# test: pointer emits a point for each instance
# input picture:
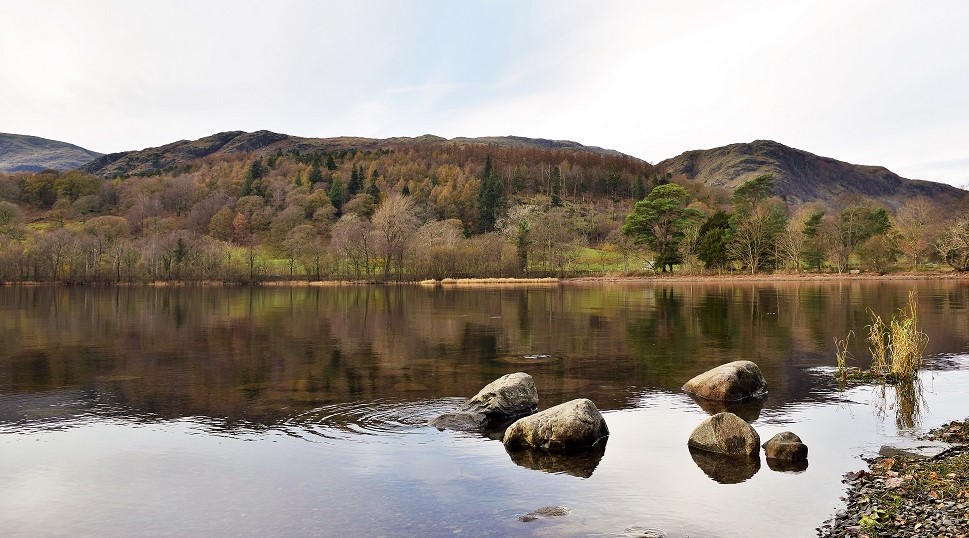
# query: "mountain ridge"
(27, 153)
(801, 176)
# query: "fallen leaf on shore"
(894, 482)
(933, 495)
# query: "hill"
(22, 153)
(801, 176)
(170, 156)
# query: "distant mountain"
(170, 156)
(22, 153)
(801, 176)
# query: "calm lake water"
(303, 411)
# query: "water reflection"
(905, 397)
(264, 356)
(581, 464)
(749, 410)
(785, 466)
(724, 469)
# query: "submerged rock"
(544, 512)
(569, 427)
(731, 382)
(727, 434)
(498, 403)
(919, 449)
(786, 446)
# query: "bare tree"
(393, 223)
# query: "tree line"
(441, 212)
(757, 232)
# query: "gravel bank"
(902, 497)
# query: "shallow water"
(303, 411)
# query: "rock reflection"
(723, 469)
(784, 466)
(581, 464)
(748, 410)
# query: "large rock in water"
(731, 382)
(786, 446)
(506, 398)
(569, 427)
(727, 434)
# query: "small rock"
(786, 446)
(544, 512)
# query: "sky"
(868, 82)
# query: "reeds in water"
(897, 347)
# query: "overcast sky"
(868, 82)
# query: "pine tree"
(556, 187)
(336, 195)
(491, 198)
(316, 175)
(330, 163)
(356, 181)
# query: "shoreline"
(539, 281)
(901, 496)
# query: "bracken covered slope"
(170, 156)
(22, 153)
(801, 176)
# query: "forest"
(442, 211)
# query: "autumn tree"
(393, 223)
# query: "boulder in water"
(731, 382)
(727, 434)
(569, 427)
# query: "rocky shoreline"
(906, 496)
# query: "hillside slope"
(22, 153)
(170, 156)
(801, 176)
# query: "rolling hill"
(801, 176)
(22, 153)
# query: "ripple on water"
(369, 421)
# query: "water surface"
(303, 411)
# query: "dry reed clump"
(896, 347)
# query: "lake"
(304, 410)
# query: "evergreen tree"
(336, 196)
(659, 221)
(330, 163)
(356, 181)
(712, 241)
(556, 187)
(640, 188)
(491, 199)
(253, 185)
(316, 175)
